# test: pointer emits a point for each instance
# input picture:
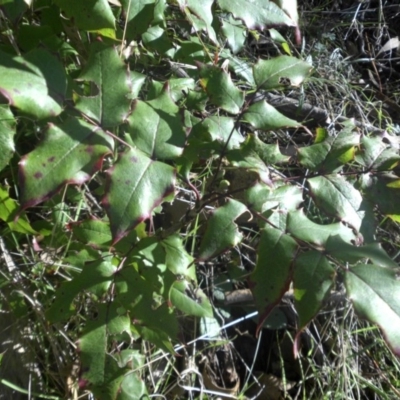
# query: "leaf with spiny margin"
(7, 132)
(89, 15)
(375, 294)
(377, 189)
(156, 127)
(203, 15)
(69, 154)
(304, 229)
(375, 154)
(273, 272)
(331, 154)
(263, 116)
(347, 252)
(110, 104)
(35, 84)
(256, 14)
(222, 232)
(261, 197)
(136, 185)
(337, 197)
(96, 277)
(191, 301)
(312, 280)
(139, 15)
(221, 90)
(280, 72)
(235, 33)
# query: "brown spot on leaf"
(51, 159)
(38, 175)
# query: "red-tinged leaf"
(221, 90)
(109, 105)
(375, 294)
(156, 128)
(312, 280)
(280, 72)
(222, 233)
(69, 153)
(136, 185)
(35, 84)
(273, 273)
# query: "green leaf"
(35, 84)
(7, 132)
(139, 14)
(331, 154)
(110, 104)
(219, 86)
(273, 272)
(234, 32)
(304, 229)
(337, 197)
(375, 154)
(312, 280)
(156, 127)
(90, 15)
(93, 232)
(69, 153)
(280, 72)
(338, 248)
(189, 300)
(263, 116)
(375, 292)
(256, 13)
(136, 185)
(222, 233)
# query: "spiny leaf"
(263, 116)
(90, 15)
(69, 153)
(7, 132)
(136, 185)
(220, 88)
(375, 293)
(273, 273)
(109, 105)
(337, 197)
(234, 32)
(139, 14)
(256, 13)
(304, 229)
(222, 233)
(280, 72)
(35, 84)
(156, 127)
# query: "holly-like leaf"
(136, 185)
(89, 15)
(263, 116)
(273, 273)
(189, 300)
(280, 72)
(337, 197)
(139, 15)
(312, 280)
(221, 90)
(330, 154)
(69, 153)
(35, 84)
(7, 132)
(375, 293)
(109, 105)
(304, 229)
(347, 252)
(375, 154)
(256, 14)
(156, 127)
(234, 32)
(93, 232)
(222, 233)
